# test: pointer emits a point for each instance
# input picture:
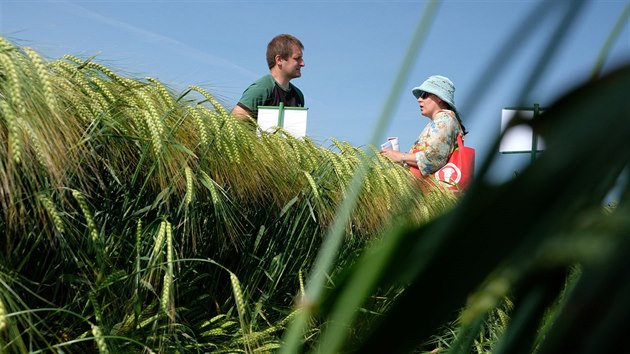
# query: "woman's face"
(429, 104)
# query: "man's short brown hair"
(281, 45)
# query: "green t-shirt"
(266, 92)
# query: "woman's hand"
(393, 155)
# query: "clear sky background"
(354, 51)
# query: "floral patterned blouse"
(436, 142)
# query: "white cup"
(394, 140)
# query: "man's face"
(292, 67)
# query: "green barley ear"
(70, 94)
(238, 295)
(36, 144)
(384, 188)
(159, 241)
(166, 298)
(79, 78)
(189, 185)
(217, 106)
(99, 339)
(163, 92)
(268, 348)
(338, 167)
(201, 126)
(5, 45)
(101, 84)
(15, 143)
(228, 136)
(139, 239)
(207, 181)
(213, 119)
(136, 285)
(88, 216)
(10, 72)
(231, 138)
(107, 72)
(311, 182)
(3, 316)
(98, 312)
(152, 120)
(301, 279)
(240, 306)
(52, 211)
(44, 78)
(76, 60)
(398, 177)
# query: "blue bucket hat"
(440, 86)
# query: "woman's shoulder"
(446, 116)
(448, 119)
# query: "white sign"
(518, 138)
(291, 119)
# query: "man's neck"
(280, 79)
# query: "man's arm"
(240, 113)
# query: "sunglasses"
(424, 95)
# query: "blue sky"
(354, 50)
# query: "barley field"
(140, 219)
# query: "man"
(284, 58)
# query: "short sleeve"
(255, 95)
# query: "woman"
(438, 139)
